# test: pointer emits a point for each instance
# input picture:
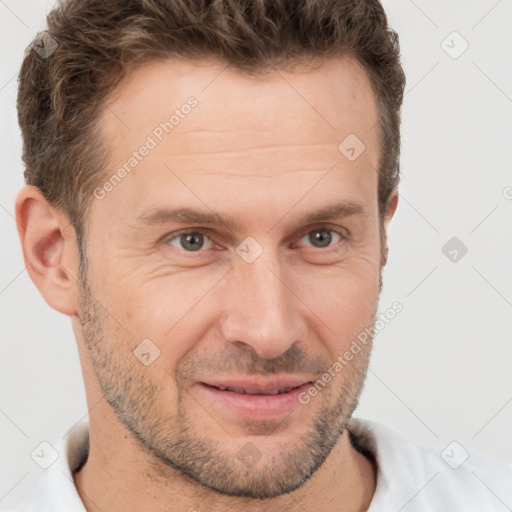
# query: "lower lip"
(262, 407)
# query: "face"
(241, 249)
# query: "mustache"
(244, 361)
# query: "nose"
(261, 310)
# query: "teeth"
(247, 392)
(236, 390)
(257, 392)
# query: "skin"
(262, 151)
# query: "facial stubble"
(135, 394)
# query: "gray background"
(441, 368)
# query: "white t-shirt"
(410, 478)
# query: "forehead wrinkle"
(229, 175)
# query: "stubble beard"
(172, 439)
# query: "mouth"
(245, 391)
(255, 400)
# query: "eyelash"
(206, 233)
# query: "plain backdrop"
(441, 368)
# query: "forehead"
(280, 129)
(334, 97)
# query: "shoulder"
(56, 491)
(411, 477)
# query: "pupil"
(192, 241)
(321, 237)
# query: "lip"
(256, 406)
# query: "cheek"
(344, 298)
(173, 311)
(156, 297)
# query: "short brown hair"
(99, 41)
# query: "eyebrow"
(156, 217)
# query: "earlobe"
(49, 249)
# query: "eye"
(190, 241)
(321, 238)
(196, 240)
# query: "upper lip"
(255, 385)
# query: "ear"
(388, 215)
(50, 250)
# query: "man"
(209, 188)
